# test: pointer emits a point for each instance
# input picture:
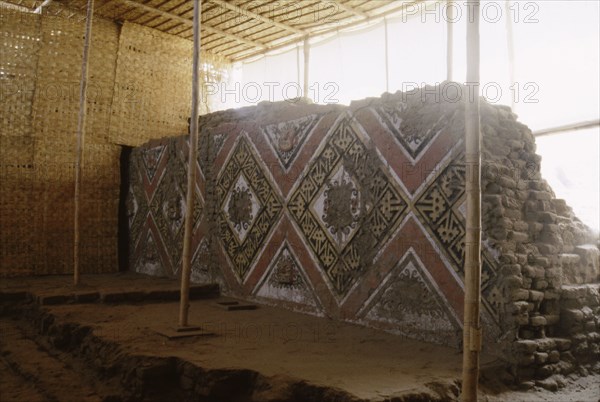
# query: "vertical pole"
(298, 65)
(191, 176)
(81, 135)
(449, 40)
(306, 66)
(472, 268)
(387, 62)
(510, 44)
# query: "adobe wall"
(357, 213)
(128, 103)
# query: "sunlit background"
(556, 76)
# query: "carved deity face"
(150, 254)
(341, 206)
(240, 208)
(287, 139)
(152, 158)
(286, 274)
(174, 208)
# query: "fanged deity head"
(341, 206)
(152, 157)
(174, 211)
(150, 253)
(288, 138)
(239, 208)
(286, 274)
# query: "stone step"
(124, 296)
(580, 291)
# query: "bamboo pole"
(511, 53)
(306, 66)
(472, 267)
(298, 65)
(449, 40)
(81, 135)
(387, 59)
(191, 176)
(41, 6)
(327, 29)
(582, 125)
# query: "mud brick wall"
(128, 104)
(357, 213)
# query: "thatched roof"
(238, 29)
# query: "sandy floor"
(272, 341)
(367, 363)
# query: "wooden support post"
(511, 53)
(81, 135)
(449, 40)
(306, 66)
(387, 61)
(41, 6)
(298, 65)
(472, 327)
(191, 175)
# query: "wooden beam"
(100, 7)
(349, 9)
(510, 46)
(16, 7)
(186, 268)
(189, 22)
(386, 53)
(306, 67)
(472, 300)
(567, 127)
(449, 41)
(312, 34)
(41, 6)
(262, 18)
(81, 135)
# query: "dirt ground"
(366, 363)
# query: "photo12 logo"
(271, 91)
(492, 91)
(490, 11)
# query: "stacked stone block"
(552, 325)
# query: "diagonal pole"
(472, 268)
(510, 45)
(306, 49)
(449, 40)
(191, 176)
(81, 135)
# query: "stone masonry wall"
(357, 213)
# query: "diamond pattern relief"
(137, 204)
(148, 261)
(285, 280)
(248, 207)
(442, 207)
(345, 206)
(439, 206)
(286, 138)
(337, 205)
(169, 209)
(241, 207)
(407, 126)
(409, 297)
(151, 158)
(203, 269)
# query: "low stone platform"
(127, 287)
(104, 352)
